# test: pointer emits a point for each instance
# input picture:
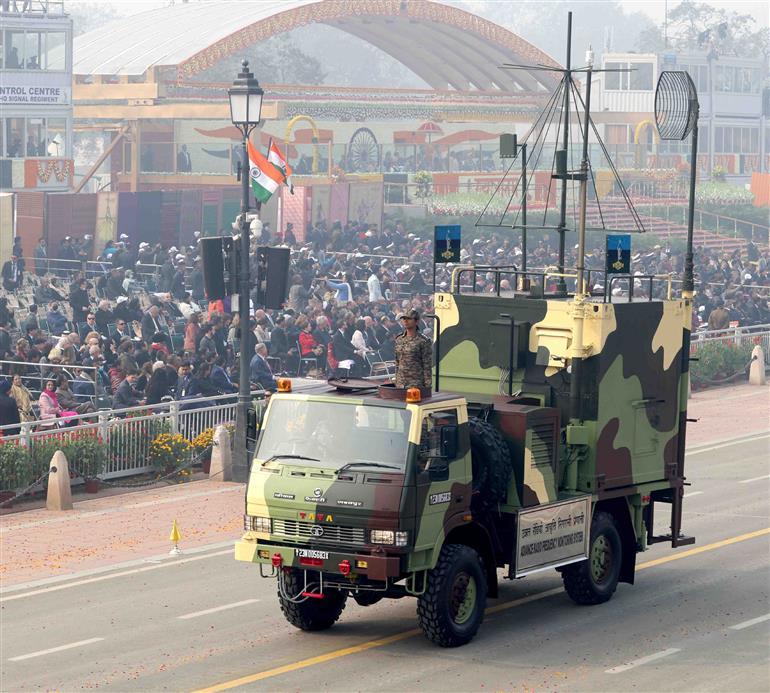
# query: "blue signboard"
(446, 244)
(619, 254)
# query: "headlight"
(257, 524)
(389, 537)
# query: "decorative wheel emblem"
(317, 492)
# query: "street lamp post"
(245, 110)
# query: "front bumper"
(374, 566)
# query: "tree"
(87, 16)
(699, 27)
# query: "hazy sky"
(759, 9)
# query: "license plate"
(312, 553)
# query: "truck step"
(313, 595)
(681, 540)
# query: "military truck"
(555, 427)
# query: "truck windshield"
(334, 435)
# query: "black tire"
(311, 614)
(448, 612)
(594, 581)
(367, 597)
(491, 459)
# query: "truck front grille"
(330, 534)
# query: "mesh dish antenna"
(676, 115)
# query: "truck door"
(443, 475)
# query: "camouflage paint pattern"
(360, 499)
(626, 441)
(633, 399)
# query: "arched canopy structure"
(446, 47)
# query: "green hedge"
(19, 466)
(720, 360)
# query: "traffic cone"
(175, 537)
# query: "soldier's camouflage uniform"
(414, 360)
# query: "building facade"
(733, 134)
(35, 96)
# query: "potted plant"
(15, 470)
(89, 456)
(202, 446)
(169, 451)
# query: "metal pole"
(580, 265)
(524, 207)
(240, 459)
(511, 338)
(688, 283)
(561, 286)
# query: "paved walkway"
(103, 531)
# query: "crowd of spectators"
(136, 328)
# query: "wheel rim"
(601, 559)
(462, 598)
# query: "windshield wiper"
(366, 464)
(289, 457)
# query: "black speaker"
(272, 276)
(213, 268)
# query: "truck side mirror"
(449, 434)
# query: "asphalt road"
(698, 618)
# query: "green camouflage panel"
(634, 383)
(325, 515)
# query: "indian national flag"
(278, 160)
(265, 177)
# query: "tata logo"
(315, 517)
(317, 531)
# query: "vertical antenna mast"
(561, 284)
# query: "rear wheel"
(310, 614)
(452, 607)
(594, 581)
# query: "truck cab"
(357, 485)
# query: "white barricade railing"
(128, 433)
(738, 336)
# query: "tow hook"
(277, 560)
(344, 567)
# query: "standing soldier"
(414, 354)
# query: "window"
(746, 140)
(56, 137)
(34, 42)
(703, 139)
(641, 77)
(33, 50)
(36, 137)
(612, 79)
(430, 439)
(336, 434)
(55, 51)
(14, 137)
(14, 50)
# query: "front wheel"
(594, 581)
(452, 607)
(310, 614)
